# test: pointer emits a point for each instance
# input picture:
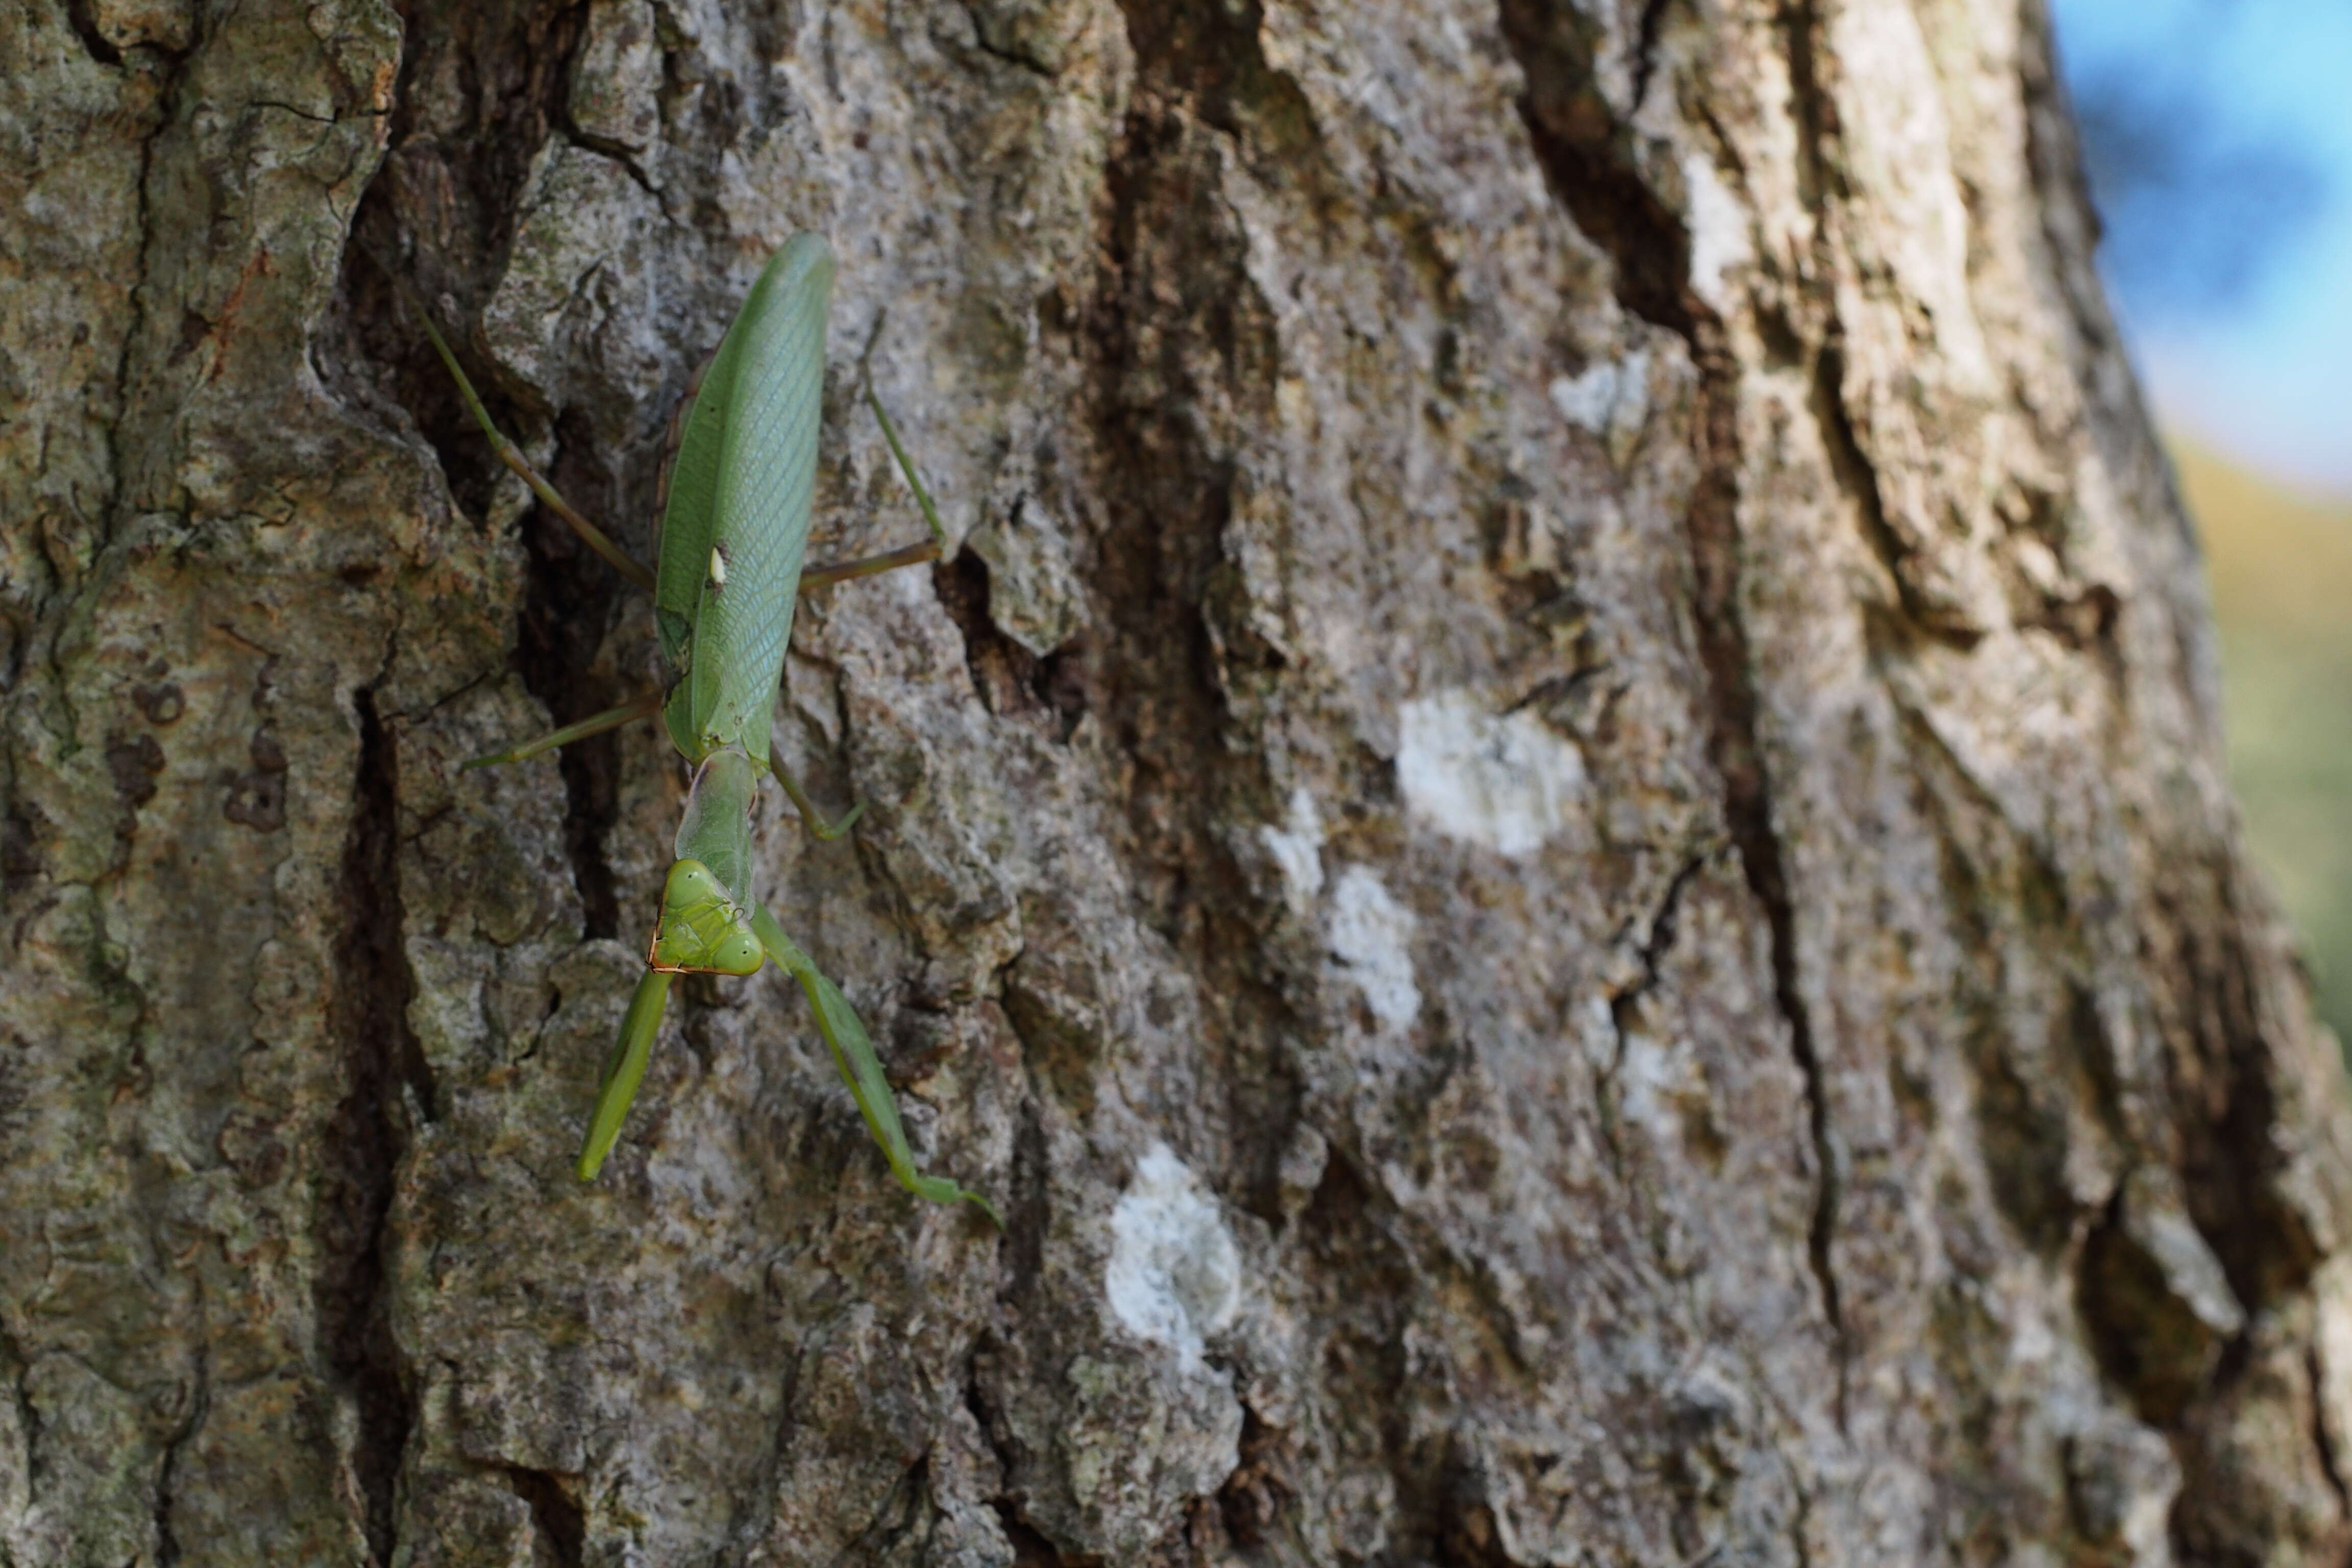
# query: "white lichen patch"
(1653, 1078)
(1610, 398)
(1718, 229)
(1504, 782)
(1372, 936)
(1297, 848)
(1174, 1276)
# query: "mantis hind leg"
(815, 577)
(825, 576)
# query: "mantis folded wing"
(735, 526)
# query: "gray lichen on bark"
(1557, 837)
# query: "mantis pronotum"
(735, 523)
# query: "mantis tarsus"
(735, 523)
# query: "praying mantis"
(735, 508)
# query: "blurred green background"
(2218, 138)
(2281, 566)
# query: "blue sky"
(2232, 267)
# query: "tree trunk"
(1557, 837)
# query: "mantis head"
(706, 925)
(702, 930)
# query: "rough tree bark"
(1558, 837)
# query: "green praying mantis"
(735, 524)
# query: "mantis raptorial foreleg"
(852, 1053)
(844, 1035)
(625, 1069)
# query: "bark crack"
(1659, 940)
(1032, 1547)
(1645, 49)
(1656, 942)
(619, 152)
(20, 1389)
(167, 1542)
(568, 597)
(1735, 745)
(894, 1518)
(1177, 322)
(558, 1519)
(83, 20)
(2330, 1462)
(386, 1079)
(1026, 1217)
(135, 328)
(568, 592)
(1587, 161)
(1047, 691)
